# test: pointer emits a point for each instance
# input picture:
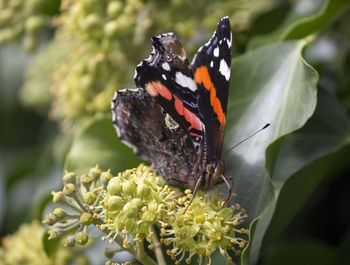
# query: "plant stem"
(157, 248)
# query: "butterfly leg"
(194, 192)
(229, 186)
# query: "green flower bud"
(91, 21)
(153, 207)
(95, 172)
(130, 210)
(54, 234)
(59, 213)
(86, 219)
(86, 179)
(129, 187)
(50, 219)
(110, 28)
(56, 196)
(82, 238)
(114, 186)
(69, 177)
(69, 241)
(115, 203)
(106, 176)
(143, 190)
(136, 203)
(89, 197)
(114, 8)
(69, 189)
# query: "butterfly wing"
(211, 71)
(141, 124)
(166, 76)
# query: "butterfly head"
(213, 174)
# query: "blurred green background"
(61, 61)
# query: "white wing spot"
(130, 89)
(211, 64)
(216, 52)
(164, 76)
(166, 66)
(185, 81)
(170, 123)
(224, 69)
(229, 43)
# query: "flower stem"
(157, 248)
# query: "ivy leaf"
(305, 159)
(304, 253)
(305, 17)
(98, 143)
(271, 84)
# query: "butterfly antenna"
(247, 138)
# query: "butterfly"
(176, 116)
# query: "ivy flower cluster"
(26, 247)
(23, 19)
(205, 227)
(131, 207)
(81, 194)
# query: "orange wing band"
(155, 88)
(201, 76)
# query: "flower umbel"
(26, 247)
(83, 196)
(136, 200)
(205, 227)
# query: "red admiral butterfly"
(176, 117)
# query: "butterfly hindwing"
(141, 124)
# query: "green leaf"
(303, 253)
(306, 17)
(305, 159)
(98, 143)
(272, 84)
